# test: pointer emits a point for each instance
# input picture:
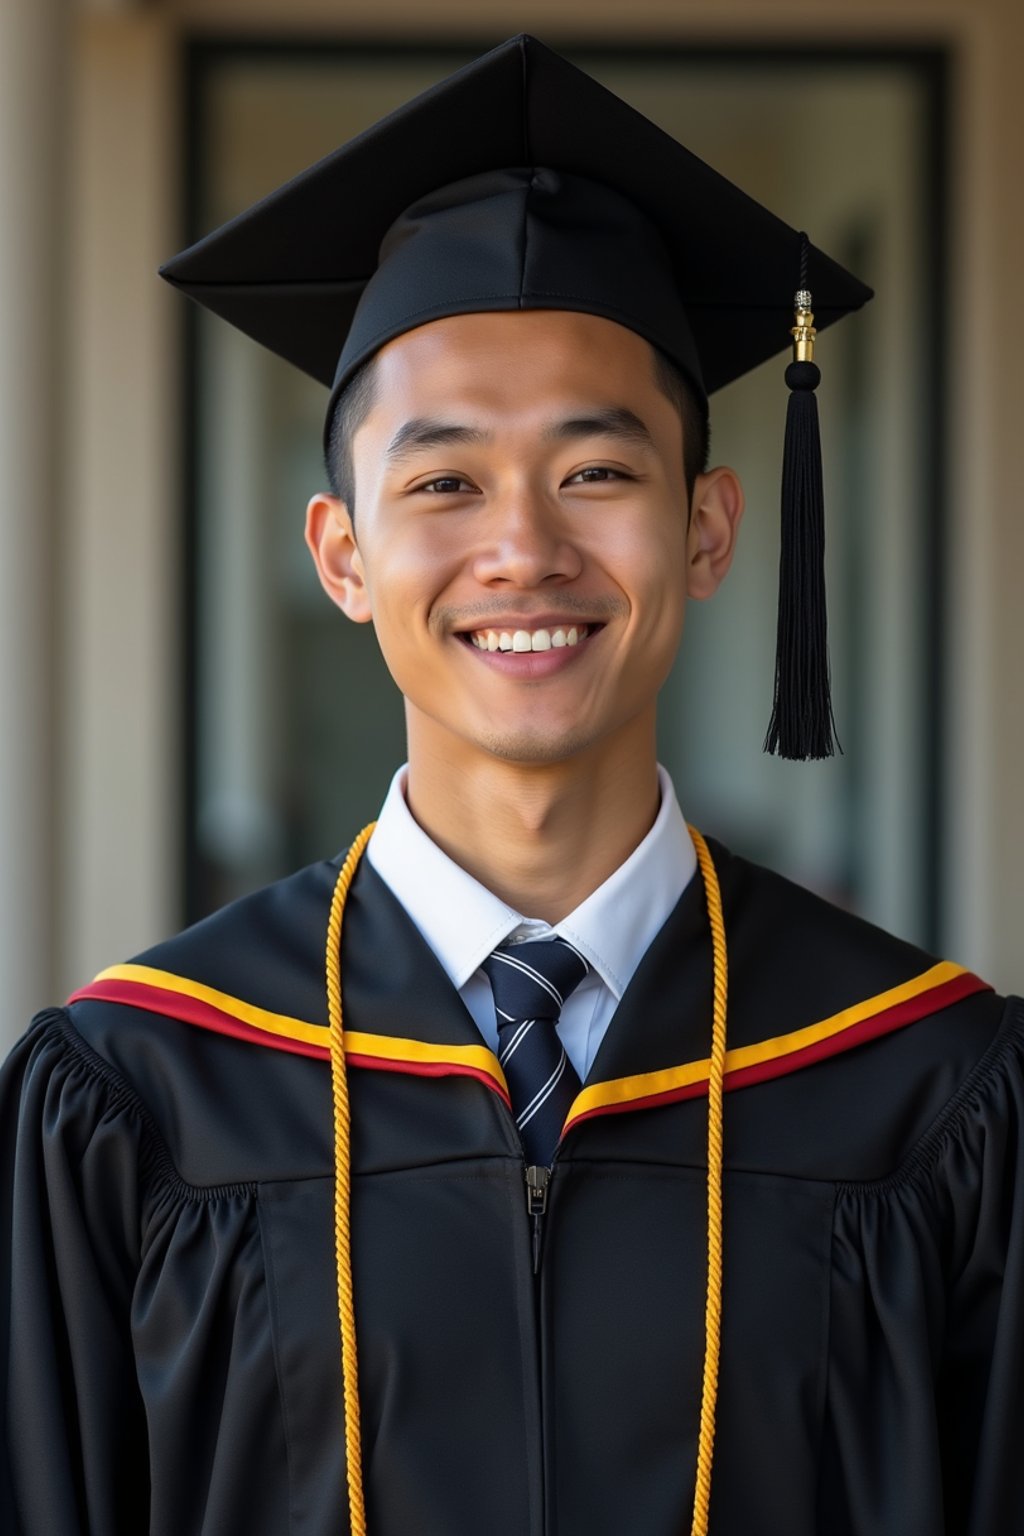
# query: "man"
(511, 1264)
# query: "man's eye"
(445, 485)
(596, 474)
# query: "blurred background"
(185, 716)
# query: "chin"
(535, 746)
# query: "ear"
(332, 543)
(716, 510)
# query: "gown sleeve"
(924, 1427)
(73, 1457)
(981, 1380)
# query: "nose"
(524, 541)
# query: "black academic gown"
(171, 1331)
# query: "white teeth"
(527, 640)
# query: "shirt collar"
(462, 920)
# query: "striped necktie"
(531, 981)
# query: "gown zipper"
(537, 1179)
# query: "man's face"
(520, 475)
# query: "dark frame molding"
(931, 62)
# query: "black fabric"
(517, 182)
(169, 1335)
(528, 238)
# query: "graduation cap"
(519, 182)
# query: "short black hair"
(351, 409)
(357, 398)
(693, 413)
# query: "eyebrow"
(611, 421)
(430, 432)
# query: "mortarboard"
(520, 182)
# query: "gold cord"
(342, 1189)
(713, 1305)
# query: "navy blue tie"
(531, 981)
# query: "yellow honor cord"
(342, 1190)
(713, 1306)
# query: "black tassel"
(802, 725)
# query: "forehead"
(511, 355)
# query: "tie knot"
(533, 979)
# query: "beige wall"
(118, 686)
(119, 798)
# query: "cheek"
(657, 621)
(648, 561)
(407, 574)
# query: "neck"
(542, 837)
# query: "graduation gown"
(171, 1334)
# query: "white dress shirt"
(462, 920)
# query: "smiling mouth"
(523, 640)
